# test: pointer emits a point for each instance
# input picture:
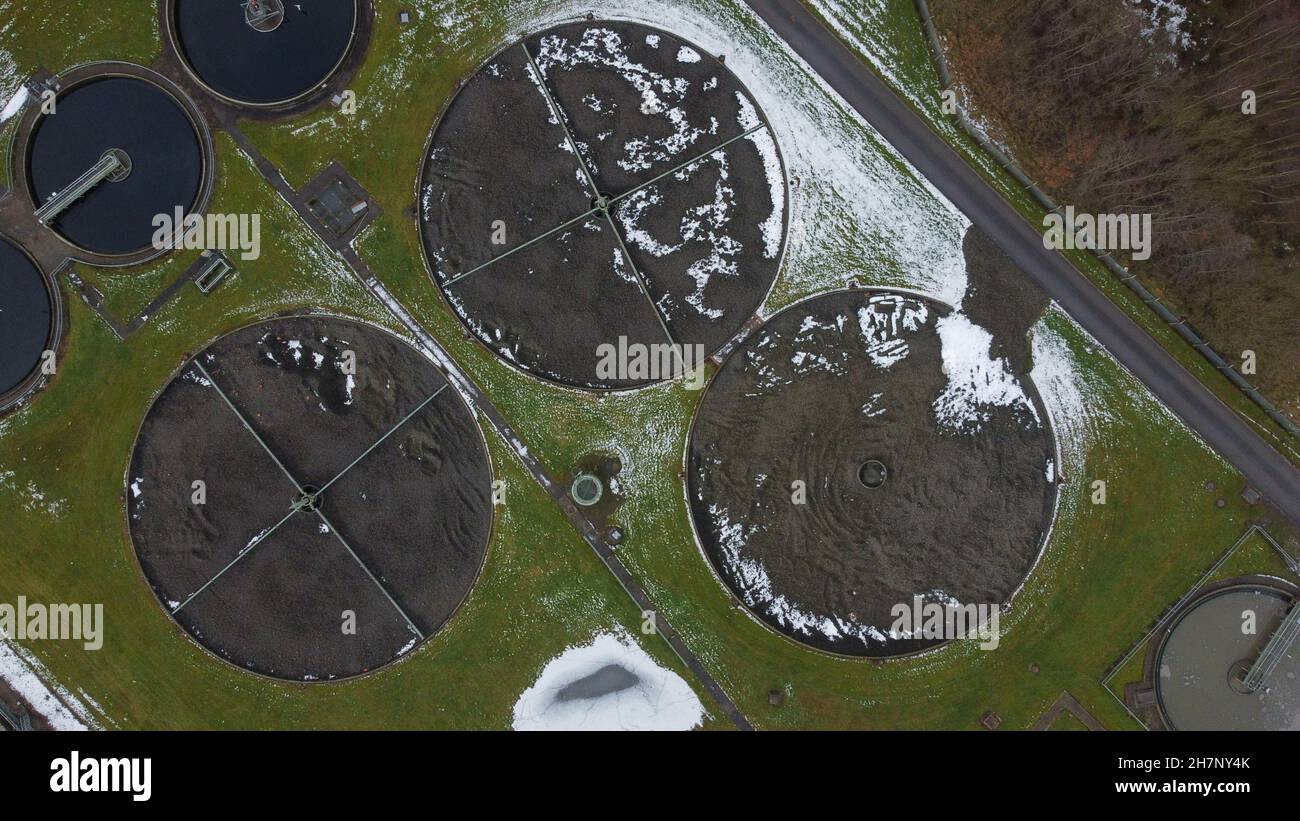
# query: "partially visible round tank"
(1230, 661)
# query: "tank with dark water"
(131, 115)
(248, 63)
(25, 317)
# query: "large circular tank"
(599, 188)
(134, 117)
(263, 56)
(309, 498)
(840, 469)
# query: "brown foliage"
(1115, 114)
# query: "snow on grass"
(455, 25)
(976, 380)
(30, 496)
(10, 77)
(857, 210)
(1064, 394)
(27, 677)
(865, 25)
(649, 444)
(15, 104)
(609, 684)
(11, 88)
(1084, 406)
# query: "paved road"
(1267, 470)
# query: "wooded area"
(1140, 106)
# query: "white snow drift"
(651, 698)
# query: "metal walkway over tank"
(115, 165)
(1276, 649)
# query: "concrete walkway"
(1066, 702)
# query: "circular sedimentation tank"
(666, 227)
(136, 120)
(26, 320)
(838, 468)
(309, 498)
(1208, 650)
(263, 59)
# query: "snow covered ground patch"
(26, 676)
(10, 77)
(976, 380)
(609, 684)
(15, 104)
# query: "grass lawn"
(1107, 571)
(62, 465)
(1067, 721)
(1099, 578)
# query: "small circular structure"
(795, 508)
(595, 267)
(1237, 675)
(28, 320)
(587, 489)
(309, 498)
(123, 164)
(126, 112)
(264, 16)
(873, 473)
(1207, 652)
(262, 53)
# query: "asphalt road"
(1265, 469)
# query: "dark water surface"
(24, 316)
(142, 120)
(264, 67)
